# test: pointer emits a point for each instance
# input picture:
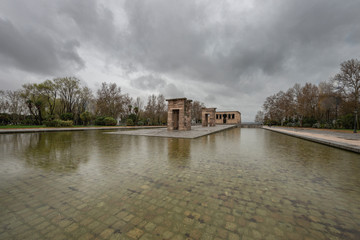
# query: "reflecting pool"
(236, 184)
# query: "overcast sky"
(227, 54)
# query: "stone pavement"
(195, 132)
(347, 141)
(238, 184)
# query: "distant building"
(228, 117)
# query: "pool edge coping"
(323, 141)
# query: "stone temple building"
(208, 117)
(228, 117)
(179, 114)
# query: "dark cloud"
(182, 38)
(36, 51)
(231, 54)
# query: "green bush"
(109, 121)
(347, 121)
(29, 120)
(58, 123)
(133, 117)
(100, 121)
(129, 122)
(4, 119)
(67, 116)
(140, 123)
(50, 117)
(85, 117)
(308, 121)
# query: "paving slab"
(343, 140)
(195, 132)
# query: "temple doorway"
(175, 117)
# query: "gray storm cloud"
(36, 51)
(182, 38)
(239, 51)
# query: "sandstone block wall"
(179, 114)
(228, 117)
(208, 117)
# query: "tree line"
(330, 104)
(64, 102)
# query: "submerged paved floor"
(348, 141)
(196, 131)
(237, 184)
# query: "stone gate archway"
(208, 117)
(179, 114)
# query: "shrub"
(140, 123)
(50, 117)
(4, 119)
(29, 120)
(58, 123)
(133, 117)
(347, 121)
(85, 117)
(309, 121)
(109, 121)
(129, 122)
(100, 121)
(67, 116)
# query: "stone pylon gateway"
(179, 114)
(208, 117)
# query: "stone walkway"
(347, 141)
(196, 131)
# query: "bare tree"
(127, 102)
(109, 101)
(16, 105)
(328, 101)
(348, 80)
(150, 109)
(69, 90)
(259, 118)
(155, 109)
(161, 110)
(139, 104)
(4, 104)
(196, 111)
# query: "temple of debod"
(179, 115)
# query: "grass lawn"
(37, 126)
(43, 126)
(22, 126)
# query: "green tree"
(85, 117)
(35, 101)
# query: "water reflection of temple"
(179, 152)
